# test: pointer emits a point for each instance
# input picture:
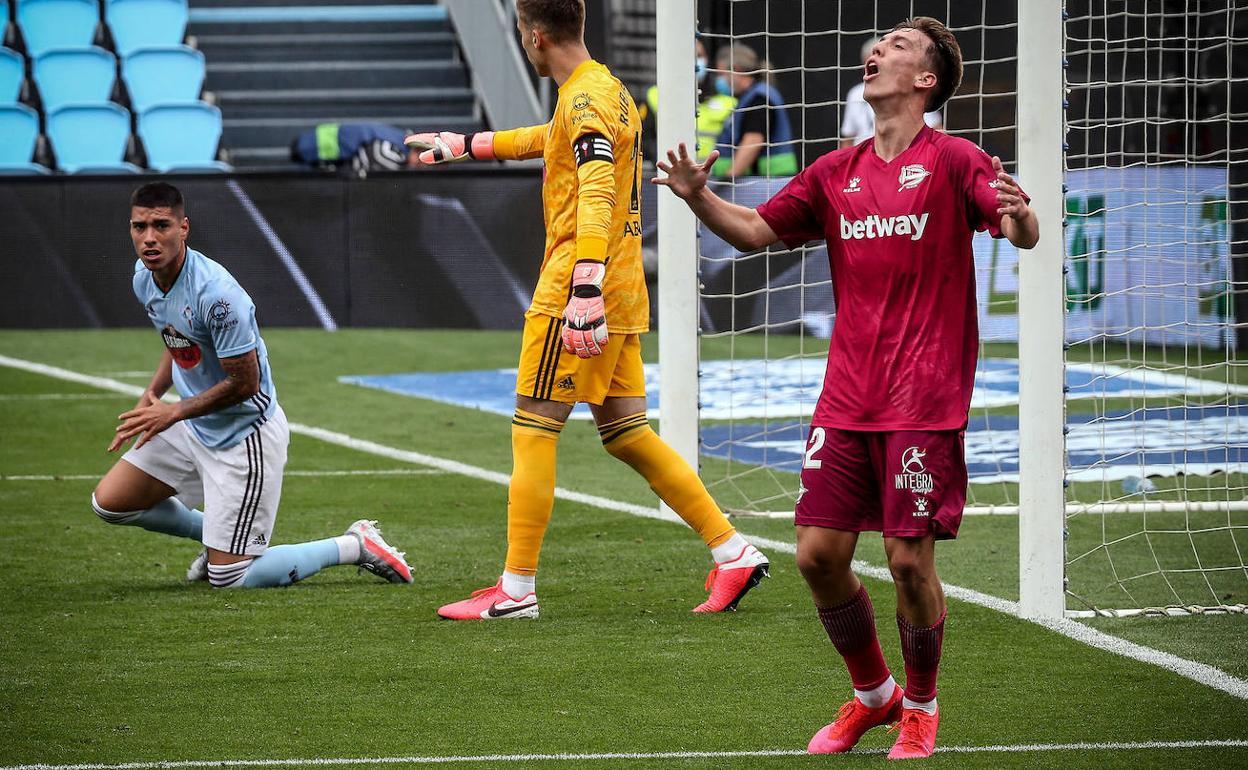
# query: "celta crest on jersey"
(184, 351)
(912, 176)
(914, 475)
(876, 226)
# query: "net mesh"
(1156, 515)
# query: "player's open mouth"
(151, 253)
(870, 70)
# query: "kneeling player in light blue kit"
(224, 444)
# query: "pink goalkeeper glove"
(585, 317)
(446, 147)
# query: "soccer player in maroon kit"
(885, 451)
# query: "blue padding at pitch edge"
(320, 13)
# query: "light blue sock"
(171, 517)
(282, 565)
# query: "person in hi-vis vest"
(714, 109)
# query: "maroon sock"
(851, 627)
(920, 647)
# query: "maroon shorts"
(903, 483)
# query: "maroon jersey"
(903, 349)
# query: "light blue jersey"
(206, 316)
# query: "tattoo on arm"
(242, 380)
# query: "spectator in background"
(859, 123)
(714, 108)
(758, 140)
(366, 146)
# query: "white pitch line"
(1072, 629)
(285, 474)
(761, 753)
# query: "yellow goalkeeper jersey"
(591, 194)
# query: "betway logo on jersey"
(883, 227)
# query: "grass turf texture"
(109, 657)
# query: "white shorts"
(240, 487)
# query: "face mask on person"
(722, 85)
(699, 67)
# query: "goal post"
(1041, 293)
(677, 236)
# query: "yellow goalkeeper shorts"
(549, 372)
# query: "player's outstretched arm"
(740, 226)
(152, 416)
(1018, 220)
(449, 147)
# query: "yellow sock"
(630, 439)
(531, 495)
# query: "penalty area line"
(762, 753)
(1071, 629)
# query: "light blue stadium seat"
(73, 75)
(90, 138)
(182, 137)
(146, 23)
(12, 73)
(48, 24)
(19, 125)
(155, 75)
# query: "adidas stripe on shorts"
(239, 487)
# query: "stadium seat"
(90, 138)
(146, 23)
(182, 137)
(155, 75)
(74, 75)
(48, 24)
(12, 73)
(19, 125)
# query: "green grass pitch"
(107, 656)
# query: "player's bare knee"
(107, 509)
(822, 563)
(228, 575)
(909, 569)
(810, 564)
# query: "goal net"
(1154, 514)
(1157, 434)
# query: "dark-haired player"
(590, 304)
(225, 442)
(885, 449)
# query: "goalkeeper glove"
(585, 317)
(447, 147)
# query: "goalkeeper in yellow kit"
(581, 334)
